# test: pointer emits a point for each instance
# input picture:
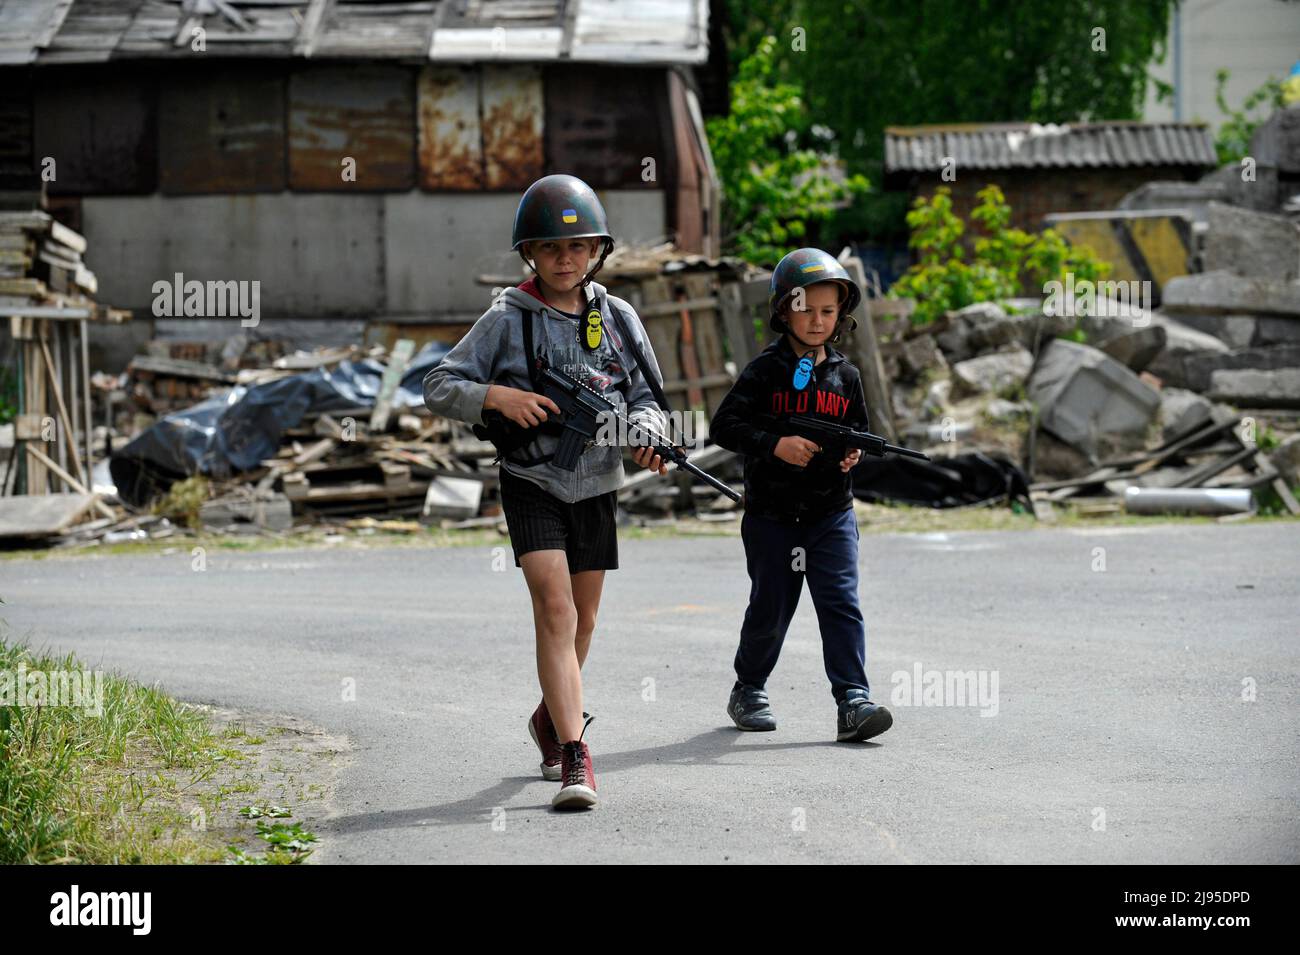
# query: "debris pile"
(1105, 396)
(257, 439)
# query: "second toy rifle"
(838, 437)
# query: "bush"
(1004, 259)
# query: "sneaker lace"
(576, 761)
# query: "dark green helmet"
(560, 207)
(804, 267)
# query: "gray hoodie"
(492, 352)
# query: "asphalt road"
(1120, 731)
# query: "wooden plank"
(707, 322)
(43, 515)
(1141, 464)
(84, 342)
(864, 351)
(355, 491)
(1212, 468)
(70, 433)
(662, 332)
(737, 324)
(398, 360)
(71, 481)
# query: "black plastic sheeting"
(964, 479)
(235, 431)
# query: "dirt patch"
(269, 761)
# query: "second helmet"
(804, 267)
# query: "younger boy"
(799, 519)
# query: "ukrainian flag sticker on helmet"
(569, 215)
(813, 267)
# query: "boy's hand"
(647, 458)
(795, 450)
(525, 408)
(850, 459)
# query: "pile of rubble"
(350, 445)
(1201, 393)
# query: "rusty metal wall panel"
(513, 107)
(601, 122)
(222, 130)
(100, 128)
(450, 134)
(365, 112)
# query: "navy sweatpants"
(829, 562)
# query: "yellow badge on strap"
(594, 330)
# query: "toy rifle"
(582, 412)
(837, 438)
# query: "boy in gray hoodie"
(562, 523)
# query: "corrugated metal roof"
(466, 31)
(1033, 146)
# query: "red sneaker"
(578, 779)
(542, 730)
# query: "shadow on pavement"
(706, 748)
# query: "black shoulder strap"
(530, 353)
(530, 356)
(647, 372)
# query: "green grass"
(148, 780)
(73, 784)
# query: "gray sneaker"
(749, 709)
(860, 719)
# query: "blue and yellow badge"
(569, 215)
(813, 267)
(803, 372)
(593, 331)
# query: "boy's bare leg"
(555, 620)
(587, 587)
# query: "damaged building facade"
(357, 160)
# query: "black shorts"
(585, 530)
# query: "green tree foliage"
(1233, 140)
(866, 64)
(1003, 260)
(773, 185)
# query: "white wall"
(1252, 39)
(319, 254)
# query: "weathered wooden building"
(358, 159)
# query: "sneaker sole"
(750, 729)
(549, 773)
(574, 797)
(874, 725)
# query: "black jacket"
(752, 418)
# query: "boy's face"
(814, 322)
(561, 263)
